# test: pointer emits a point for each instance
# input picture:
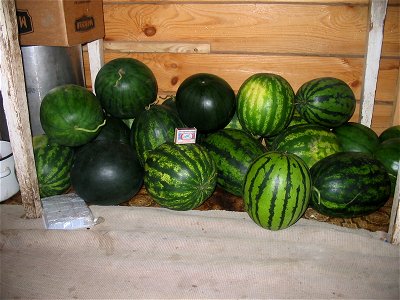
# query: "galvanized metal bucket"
(46, 67)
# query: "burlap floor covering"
(149, 252)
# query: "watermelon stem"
(318, 194)
(91, 130)
(353, 198)
(120, 73)
(151, 104)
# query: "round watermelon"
(71, 115)
(388, 153)
(277, 190)
(53, 164)
(308, 141)
(325, 101)
(349, 184)
(265, 104)
(390, 133)
(356, 137)
(125, 86)
(180, 176)
(233, 151)
(153, 127)
(205, 101)
(106, 173)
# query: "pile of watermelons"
(279, 150)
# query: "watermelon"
(296, 119)
(356, 137)
(277, 190)
(233, 151)
(205, 101)
(53, 163)
(170, 101)
(265, 104)
(389, 133)
(71, 115)
(106, 173)
(325, 101)
(234, 123)
(388, 153)
(125, 86)
(180, 176)
(114, 130)
(308, 141)
(349, 184)
(153, 127)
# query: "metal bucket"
(46, 67)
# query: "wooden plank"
(373, 53)
(326, 30)
(152, 47)
(171, 69)
(332, 2)
(96, 57)
(394, 224)
(396, 104)
(16, 109)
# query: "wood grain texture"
(257, 28)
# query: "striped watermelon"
(308, 141)
(277, 190)
(53, 164)
(125, 86)
(153, 127)
(356, 137)
(233, 150)
(265, 104)
(349, 184)
(180, 176)
(325, 101)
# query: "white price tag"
(185, 135)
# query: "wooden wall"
(300, 40)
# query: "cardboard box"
(59, 22)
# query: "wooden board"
(251, 27)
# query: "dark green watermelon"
(71, 115)
(349, 184)
(205, 101)
(53, 164)
(153, 127)
(390, 133)
(180, 176)
(106, 173)
(356, 137)
(277, 190)
(308, 141)
(233, 151)
(125, 86)
(325, 101)
(265, 104)
(388, 153)
(114, 130)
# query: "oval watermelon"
(125, 86)
(390, 133)
(265, 104)
(277, 190)
(349, 184)
(308, 141)
(106, 173)
(53, 163)
(325, 101)
(153, 127)
(388, 153)
(205, 101)
(233, 151)
(71, 115)
(180, 176)
(356, 137)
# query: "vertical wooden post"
(96, 59)
(16, 109)
(377, 14)
(396, 104)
